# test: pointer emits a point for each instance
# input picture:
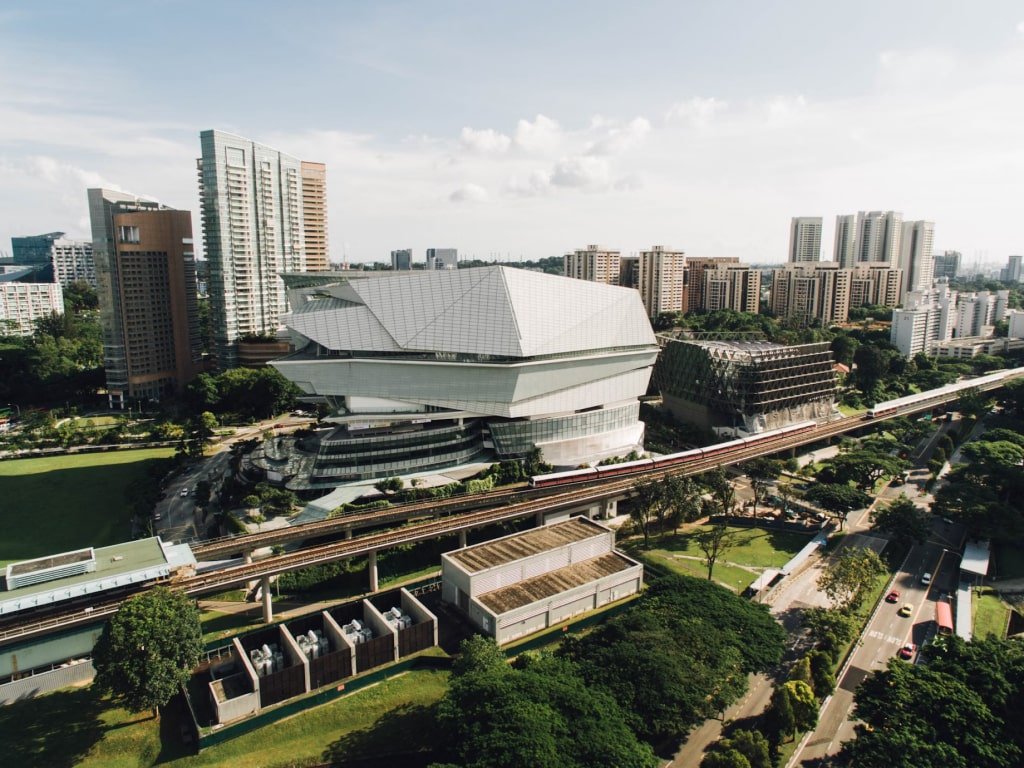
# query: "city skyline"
(531, 151)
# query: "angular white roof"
(496, 310)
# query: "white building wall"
(22, 304)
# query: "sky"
(523, 130)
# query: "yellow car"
(906, 610)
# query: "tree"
(682, 496)
(646, 504)
(80, 296)
(780, 714)
(903, 520)
(761, 471)
(725, 758)
(389, 485)
(871, 364)
(838, 499)
(713, 541)
(848, 574)
(843, 349)
(829, 629)
(148, 649)
(721, 488)
(862, 467)
(823, 681)
(973, 403)
(1002, 453)
(805, 705)
(801, 670)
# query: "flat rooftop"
(555, 582)
(480, 557)
(50, 561)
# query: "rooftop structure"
(56, 578)
(526, 582)
(429, 369)
(748, 385)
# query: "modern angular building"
(431, 369)
(34, 249)
(254, 202)
(746, 385)
(149, 311)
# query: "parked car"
(184, 492)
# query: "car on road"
(906, 610)
(926, 579)
(184, 492)
(907, 651)
(893, 597)
(156, 516)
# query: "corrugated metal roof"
(480, 557)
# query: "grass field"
(737, 567)
(58, 503)
(77, 728)
(990, 613)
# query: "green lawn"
(990, 613)
(58, 503)
(755, 548)
(77, 728)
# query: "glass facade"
(517, 438)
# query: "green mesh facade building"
(747, 385)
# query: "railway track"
(595, 492)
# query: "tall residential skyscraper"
(916, 258)
(805, 239)
(694, 283)
(149, 312)
(878, 237)
(23, 304)
(662, 280)
(251, 199)
(812, 293)
(594, 263)
(314, 215)
(845, 241)
(947, 264)
(442, 258)
(1011, 273)
(401, 259)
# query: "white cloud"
(581, 173)
(486, 141)
(697, 112)
(784, 108)
(542, 136)
(618, 139)
(469, 193)
(1020, 29)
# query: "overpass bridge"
(589, 497)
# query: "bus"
(944, 617)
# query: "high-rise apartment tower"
(314, 215)
(916, 258)
(805, 239)
(600, 265)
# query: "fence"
(43, 682)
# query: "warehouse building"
(751, 386)
(521, 584)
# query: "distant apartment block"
(732, 286)
(695, 283)
(1012, 271)
(22, 304)
(868, 237)
(401, 259)
(916, 258)
(978, 312)
(843, 249)
(805, 239)
(629, 272)
(253, 201)
(875, 284)
(812, 293)
(946, 264)
(73, 262)
(927, 318)
(600, 265)
(662, 280)
(146, 269)
(314, 215)
(442, 258)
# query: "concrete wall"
(27, 687)
(417, 610)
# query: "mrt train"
(941, 394)
(671, 460)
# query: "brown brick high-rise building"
(314, 215)
(145, 264)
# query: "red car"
(893, 597)
(907, 651)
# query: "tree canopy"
(838, 499)
(148, 649)
(250, 392)
(848, 574)
(903, 520)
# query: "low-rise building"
(524, 583)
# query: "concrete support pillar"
(247, 557)
(540, 519)
(462, 538)
(371, 567)
(609, 509)
(268, 608)
(348, 533)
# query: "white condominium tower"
(805, 239)
(916, 259)
(601, 265)
(872, 236)
(662, 280)
(251, 200)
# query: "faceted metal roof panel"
(498, 311)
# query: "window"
(128, 234)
